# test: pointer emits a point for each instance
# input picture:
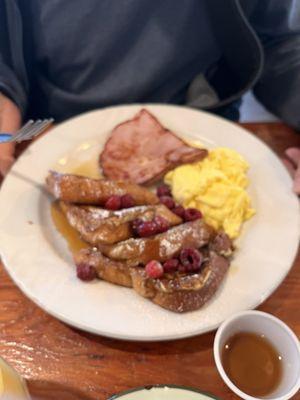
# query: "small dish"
(278, 334)
(163, 392)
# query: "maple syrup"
(75, 243)
(252, 364)
(89, 169)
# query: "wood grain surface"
(62, 363)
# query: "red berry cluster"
(86, 272)
(189, 260)
(148, 228)
(187, 214)
(115, 202)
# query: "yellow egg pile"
(217, 187)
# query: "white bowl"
(282, 338)
(163, 392)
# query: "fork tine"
(44, 125)
(23, 130)
(41, 127)
(32, 129)
(36, 128)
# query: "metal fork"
(28, 131)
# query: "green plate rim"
(149, 387)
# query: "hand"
(10, 122)
(293, 165)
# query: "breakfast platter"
(55, 179)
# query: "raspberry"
(146, 228)
(154, 269)
(167, 201)
(163, 190)
(191, 214)
(127, 201)
(85, 272)
(113, 203)
(171, 265)
(181, 268)
(191, 259)
(135, 224)
(179, 210)
(162, 225)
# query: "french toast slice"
(182, 292)
(108, 270)
(82, 190)
(177, 292)
(160, 247)
(100, 226)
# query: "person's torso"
(103, 52)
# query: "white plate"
(161, 392)
(38, 260)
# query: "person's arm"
(292, 162)
(10, 121)
(278, 25)
(13, 93)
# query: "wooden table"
(62, 363)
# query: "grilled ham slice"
(141, 150)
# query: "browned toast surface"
(178, 292)
(82, 190)
(183, 292)
(108, 270)
(160, 247)
(99, 226)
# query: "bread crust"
(82, 190)
(99, 226)
(160, 247)
(177, 292)
(184, 292)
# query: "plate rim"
(132, 338)
(161, 385)
(168, 337)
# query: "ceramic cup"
(282, 338)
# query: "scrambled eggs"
(217, 187)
